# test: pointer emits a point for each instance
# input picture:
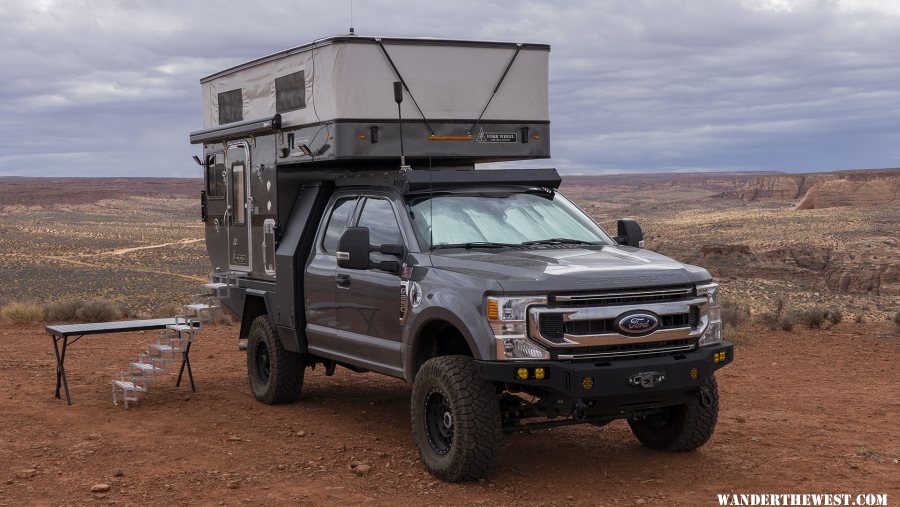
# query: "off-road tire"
(474, 406)
(283, 381)
(684, 427)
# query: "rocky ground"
(810, 412)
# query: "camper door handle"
(342, 281)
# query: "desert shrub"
(737, 336)
(769, 319)
(62, 311)
(780, 304)
(834, 316)
(813, 318)
(19, 312)
(859, 319)
(99, 311)
(897, 318)
(735, 314)
(787, 321)
(776, 317)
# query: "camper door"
(238, 208)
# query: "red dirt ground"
(810, 412)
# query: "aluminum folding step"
(147, 368)
(164, 349)
(182, 327)
(200, 306)
(126, 387)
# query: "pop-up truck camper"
(347, 226)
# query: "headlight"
(508, 319)
(713, 332)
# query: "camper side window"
(231, 106)
(290, 92)
(215, 176)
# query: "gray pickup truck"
(504, 305)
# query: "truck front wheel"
(682, 427)
(455, 418)
(276, 374)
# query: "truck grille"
(554, 328)
(626, 350)
(612, 297)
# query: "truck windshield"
(502, 219)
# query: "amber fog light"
(587, 383)
(695, 373)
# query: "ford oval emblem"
(637, 323)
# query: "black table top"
(64, 330)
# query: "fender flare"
(467, 327)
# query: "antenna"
(398, 98)
(351, 18)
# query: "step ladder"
(173, 345)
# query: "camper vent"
(231, 106)
(290, 92)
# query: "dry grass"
(737, 335)
(834, 316)
(63, 311)
(778, 317)
(734, 313)
(813, 317)
(19, 312)
(99, 311)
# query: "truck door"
(238, 208)
(321, 316)
(368, 301)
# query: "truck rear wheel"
(276, 374)
(455, 419)
(683, 427)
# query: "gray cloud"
(108, 87)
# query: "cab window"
(337, 223)
(378, 216)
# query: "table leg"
(60, 367)
(186, 362)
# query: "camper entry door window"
(237, 160)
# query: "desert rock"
(842, 192)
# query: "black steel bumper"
(616, 386)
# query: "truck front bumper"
(612, 386)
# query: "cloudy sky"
(102, 87)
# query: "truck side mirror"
(353, 248)
(630, 233)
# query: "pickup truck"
(504, 305)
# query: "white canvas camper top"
(472, 100)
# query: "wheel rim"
(439, 422)
(262, 362)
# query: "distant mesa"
(830, 194)
(826, 190)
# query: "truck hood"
(570, 269)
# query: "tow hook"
(578, 410)
(705, 397)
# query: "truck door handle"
(342, 280)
